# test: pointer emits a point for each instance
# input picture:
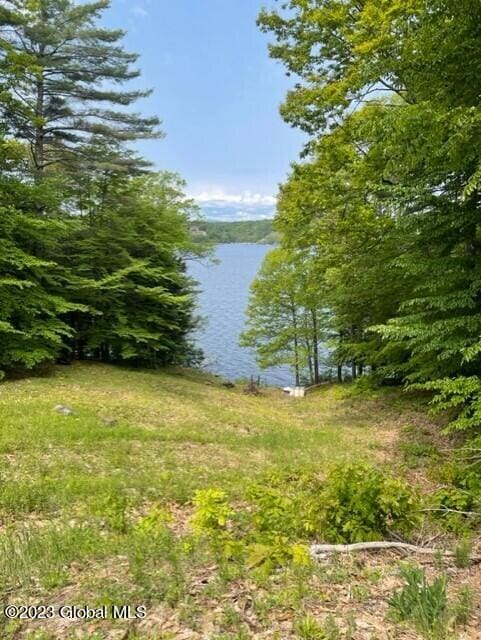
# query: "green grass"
(74, 494)
(174, 433)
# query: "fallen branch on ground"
(319, 550)
(446, 510)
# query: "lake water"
(222, 301)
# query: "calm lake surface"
(222, 301)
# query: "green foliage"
(286, 505)
(92, 246)
(112, 509)
(426, 606)
(463, 607)
(284, 316)
(459, 508)
(362, 503)
(418, 448)
(285, 511)
(27, 557)
(423, 604)
(61, 70)
(309, 629)
(154, 523)
(462, 553)
(212, 511)
(387, 194)
(458, 502)
(461, 395)
(126, 267)
(33, 310)
(416, 454)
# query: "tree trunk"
(315, 346)
(339, 372)
(105, 352)
(39, 154)
(311, 369)
(471, 241)
(296, 345)
(39, 142)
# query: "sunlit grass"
(73, 487)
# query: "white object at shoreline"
(295, 392)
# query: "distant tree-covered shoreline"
(245, 231)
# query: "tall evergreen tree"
(68, 92)
(92, 244)
(126, 261)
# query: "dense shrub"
(360, 503)
(285, 512)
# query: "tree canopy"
(386, 193)
(92, 241)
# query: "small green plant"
(355, 503)
(374, 575)
(212, 511)
(422, 604)
(331, 629)
(462, 553)
(459, 508)
(276, 551)
(309, 629)
(154, 524)
(359, 592)
(464, 606)
(366, 386)
(287, 504)
(112, 509)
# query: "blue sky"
(218, 94)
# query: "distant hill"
(255, 231)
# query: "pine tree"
(91, 245)
(62, 72)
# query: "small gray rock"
(110, 421)
(63, 410)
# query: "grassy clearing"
(100, 514)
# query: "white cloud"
(245, 199)
(217, 204)
(139, 10)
